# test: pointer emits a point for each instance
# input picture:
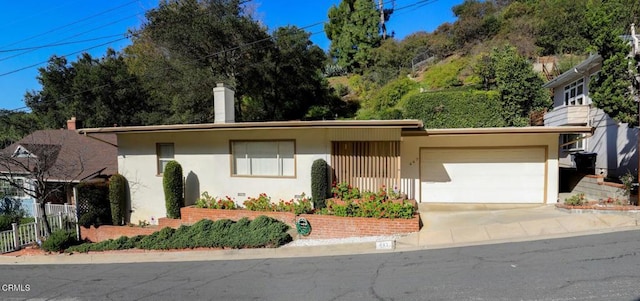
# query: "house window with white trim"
(263, 158)
(164, 154)
(8, 190)
(574, 93)
(572, 142)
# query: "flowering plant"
(345, 192)
(207, 201)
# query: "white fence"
(59, 217)
(53, 209)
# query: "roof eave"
(574, 73)
(402, 124)
(502, 130)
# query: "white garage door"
(485, 175)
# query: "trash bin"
(585, 162)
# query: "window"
(570, 142)
(165, 153)
(263, 158)
(574, 93)
(11, 191)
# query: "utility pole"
(635, 86)
(382, 17)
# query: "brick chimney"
(71, 124)
(223, 102)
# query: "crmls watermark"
(13, 287)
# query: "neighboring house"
(68, 158)
(614, 144)
(241, 160)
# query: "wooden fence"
(367, 165)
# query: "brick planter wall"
(191, 215)
(112, 232)
(322, 226)
(329, 226)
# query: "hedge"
(456, 109)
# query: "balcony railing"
(567, 115)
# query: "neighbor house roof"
(576, 72)
(70, 157)
(401, 124)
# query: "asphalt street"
(593, 267)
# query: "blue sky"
(92, 26)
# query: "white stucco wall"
(206, 163)
(410, 149)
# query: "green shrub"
(173, 189)
(261, 232)
(459, 109)
(94, 207)
(117, 198)
(11, 211)
(319, 182)
(575, 200)
(59, 240)
(391, 93)
(445, 75)
(5, 222)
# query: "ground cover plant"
(262, 232)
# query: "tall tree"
(15, 125)
(100, 92)
(354, 31)
(186, 47)
(520, 87)
(611, 90)
(476, 22)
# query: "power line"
(76, 52)
(72, 23)
(70, 37)
(58, 44)
(244, 45)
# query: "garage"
(483, 175)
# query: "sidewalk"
(444, 226)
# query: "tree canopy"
(354, 31)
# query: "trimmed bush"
(173, 189)
(319, 183)
(117, 198)
(93, 204)
(457, 109)
(59, 241)
(258, 233)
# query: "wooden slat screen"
(366, 165)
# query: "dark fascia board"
(502, 130)
(401, 124)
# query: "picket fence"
(59, 217)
